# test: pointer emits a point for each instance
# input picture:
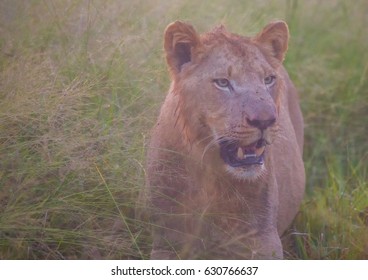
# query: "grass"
(81, 83)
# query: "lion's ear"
(274, 39)
(180, 42)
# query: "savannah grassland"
(81, 83)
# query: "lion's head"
(229, 90)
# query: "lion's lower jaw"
(248, 173)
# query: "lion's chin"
(247, 173)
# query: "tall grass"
(81, 83)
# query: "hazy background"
(81, 83)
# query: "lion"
(225, 175)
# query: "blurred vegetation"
(81, 83)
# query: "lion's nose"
(261, 124)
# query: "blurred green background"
(81, 83)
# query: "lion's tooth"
(240, 153)
(260, 151)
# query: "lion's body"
(206, 202)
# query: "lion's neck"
(252, 202)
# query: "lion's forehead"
(237, 59)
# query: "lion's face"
(229, 91)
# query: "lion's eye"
(269, 80)
(222, 83)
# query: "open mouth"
(236, 155)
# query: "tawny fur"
(200, 207)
